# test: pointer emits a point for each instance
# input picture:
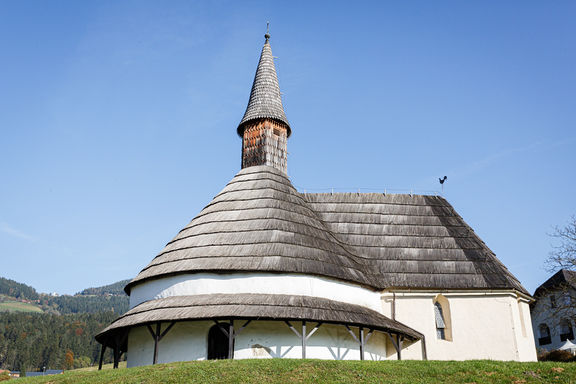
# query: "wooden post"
(156, 340)
(116, 357)
(361, 343)
(101, 356)
(399, 343)
(303, 339)
(231, 340)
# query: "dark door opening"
(218, 342)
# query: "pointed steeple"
(265, 100)
(264, 128)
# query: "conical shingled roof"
(258, 223)
(265, 100)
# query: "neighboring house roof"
(249, 306)
(260, 223)
(265, 99)
(562, 278)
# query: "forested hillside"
(92, 300)
(112, 289)
(62, 337)
(18, 290)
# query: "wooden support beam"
(303, 339)
(157, 336)
(399, 340)
(244, 326)
(352, 334)
(368, 335)
(293, 329)
(166, 330)
(224, 331)
(361, 334)
(101, 356)
(395, 344)
(231, 340)
(156, 340)
(116, 357)
(313, 330)
(303, 335)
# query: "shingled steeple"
(264, 127)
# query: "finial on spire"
(267, 35)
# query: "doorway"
(218, 342)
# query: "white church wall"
(188, 340)
(272, 339)
(185, 341)
(484, 325)
(265, 283)
(524, 334)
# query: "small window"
(276, 132)
(566, 332)
(440, 324)
(544, 333)
(552, 301)
(442, 319)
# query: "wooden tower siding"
(264, 143)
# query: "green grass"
(322, 371)
(17, 306)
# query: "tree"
(563, 255)
(69, 360)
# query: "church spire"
(264, 127)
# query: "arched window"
(442, 318)
(218, 342)
(544, 333)
(566, 332)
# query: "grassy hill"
(9, 304)
(320, 371)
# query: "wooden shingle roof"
(265, 99)
(251, 306)
(412, 241)
(260, 223)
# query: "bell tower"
(264, 128)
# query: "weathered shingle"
(250, 306)
(260, 223)
(265, 99)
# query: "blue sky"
(118, 119)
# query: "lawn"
(17, 306)
(322, 371)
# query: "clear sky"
(118, 119)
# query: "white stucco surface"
(260, 339)
(484, 325)
(266, 283)
(185, 341)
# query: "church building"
(265, 271)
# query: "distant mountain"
(18, 297)
(111, 289)
(17, 290)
